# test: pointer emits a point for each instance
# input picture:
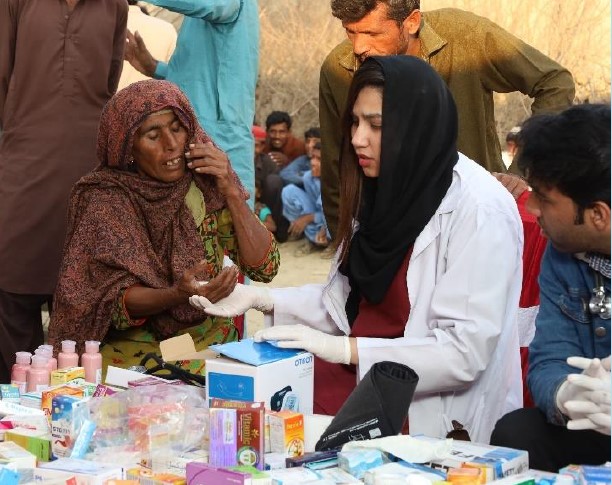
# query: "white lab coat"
(464, 282)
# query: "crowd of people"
(120, 209)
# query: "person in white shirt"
(428, 264)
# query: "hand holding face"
(197, 281)
(205, 158)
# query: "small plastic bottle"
(91, 360)
(49, 349)
(19, 372)
(51, 365)
(67, 357)
(38, 374)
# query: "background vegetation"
(296, 35)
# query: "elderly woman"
(149, 228)
(428, 271)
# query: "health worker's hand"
(592, 409)
(332, 348)
(241, 299)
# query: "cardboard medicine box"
(499, 462)
(284, 384)
(286, 433)
(236, 433)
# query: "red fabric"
(333, 383)
(533, 249)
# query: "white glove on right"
(592, 412)
(243, 298)
(573, 388)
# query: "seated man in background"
(269, 185)
(304, 209)
(566, 159)
(294, 172)
(281, 145)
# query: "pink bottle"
(49, 349)
(38, 374)
(91, 360)
(67, 357)
(19, 372)
(51, 366)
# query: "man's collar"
(431, 42)
(596, 261)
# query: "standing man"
(566, 159)
(215, 64)
(60, 61)
(474, 56)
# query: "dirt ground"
(294, 271)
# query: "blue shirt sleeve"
(219, 11)
(161, 70)
(556, 336)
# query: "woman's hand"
(195, 281)
(205, 158)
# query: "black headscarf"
(418, 153)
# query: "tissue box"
(12, 453)
(86, 472)
(500, 461)
(36, 442)
(286, 382)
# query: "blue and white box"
(281, 378)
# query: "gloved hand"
(332, 348)
(243, 298)
(572, 388)
(592, 411)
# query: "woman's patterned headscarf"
(127, 229)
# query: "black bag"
(377, 407)
(170, 371)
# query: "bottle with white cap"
(51, 361)
(49, 349)
(91, 360)
(68, 356)
(19, 372)
(38, 374)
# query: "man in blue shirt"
(215, 64)
(566, 159)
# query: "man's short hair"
(513, 134)
(277, 117)
(354, 10)
(312, 132)
(569, 151)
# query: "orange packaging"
(464, 476)
(486, 472)
(287, 433)
(49, 394)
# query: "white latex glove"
(243, 298)
(593, 410)
(573, 388)
(332, 348)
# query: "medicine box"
(49, 394)
(13, 454)
(286, 433)
(236, 433)
(67, 376)
(500, 462)
(283, 384)
(86, 472)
